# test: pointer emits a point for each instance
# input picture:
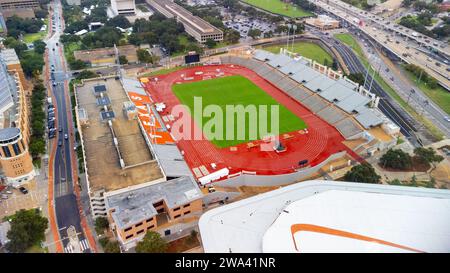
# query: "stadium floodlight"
(293, 37)
(288, 31)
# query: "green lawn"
(279, 7)
(306, 49)
(232, 91)
(31, 37)
(350, 41)
(439, 95)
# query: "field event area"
(235, 91)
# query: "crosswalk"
(84, 245)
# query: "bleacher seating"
(331, 115)
(274, 76)
(299, 93)
(315, 103)
(263, 70)
(286, 84)
(348, 127)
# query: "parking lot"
(17, 200)
(244, 24)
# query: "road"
(66, 206)
(397, 39)
(410, 93)
(386, 105)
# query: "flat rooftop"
(9, 56)
(327, 216)
(108, 52)
(186, 17)
(102, 159)
(134, 206)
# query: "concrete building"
(15, 160)
(13, 81)
(193, 25)
(322, 22)
(127, 180)
(132, 213)
(123, 7)
(19, 4)
(327, 216)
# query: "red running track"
(321, 141)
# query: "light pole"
(293, 37)
(288, 31)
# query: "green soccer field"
(232, 91)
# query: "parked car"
(23, 190)
(4, 196)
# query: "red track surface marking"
(321, 141)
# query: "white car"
(447, 118)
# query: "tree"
(427, 155)
(396, 159)
(364, 173)
(101, 223)
(152, 243)
(86, 74)
(144, 56)
(357, 77)
(27, 229)
(37, 147)
(112, 247)
(210, 43)
(123, 59)
(254, 33)
(39, 46)
(119, 21)
(76, 64)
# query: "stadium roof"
(280, 60)
(368, 118)
(305, 75)
(327, 216)
(319, 84)
(263, 55)
(292, 67)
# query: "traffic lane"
(418, 98)
(67, 214)
(432, 69)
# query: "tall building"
(123, 7)
(16, 162)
